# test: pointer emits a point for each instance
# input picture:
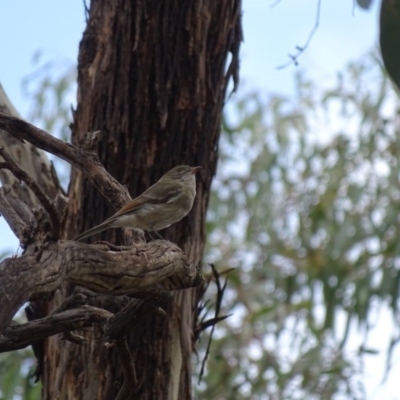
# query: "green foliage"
(304, 207)
(16, 370)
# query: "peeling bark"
(152, 76)
(41, 271)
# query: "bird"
(167, 201)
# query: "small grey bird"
(166, 202)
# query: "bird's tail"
(97, 229)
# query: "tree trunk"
(152, 77)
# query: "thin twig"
(43, 198)
(213, 321)
(216, 319)
(86, 10)
(301, 49)
(275, 3)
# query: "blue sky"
(272, 29)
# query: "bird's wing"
(153, 195)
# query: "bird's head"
(181, 172)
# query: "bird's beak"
(195, 170)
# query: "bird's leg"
(151, 237)
(157, 234)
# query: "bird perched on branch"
(166, 202)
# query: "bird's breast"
(157, 216)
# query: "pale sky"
(272, 30)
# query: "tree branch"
(46, 202)
(212, 321)
(32, 160)
(109, 187)
(14, 220)
(20, 336)
(293, 58)
(44, 267)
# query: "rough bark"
(152, 76)
(43, 269)
(19, 336)
(145, 271)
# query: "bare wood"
(5, 103)
(22, 209)
(36, 189)
(14, 220)
(109, 187)
(43, 269)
